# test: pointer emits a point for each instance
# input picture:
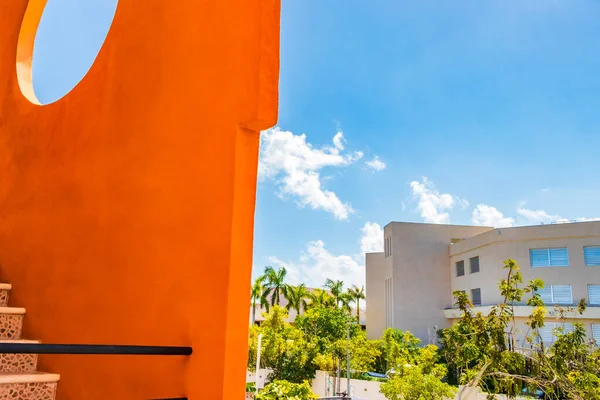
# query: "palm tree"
(357, 294)
(256, 293)
(296, 297)
(320, 297)
(345, 299)
(274, 287)
(336, 288)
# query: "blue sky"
(473, 111)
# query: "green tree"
(483, 350)
(357, 294)
(320, 298)
(285, 349)
(297, 298)
(414, 384)
(417, 373)
(325, 326)
(399, 348)
(274, 286)
(336, 288)
(281, 389)
(364, 353)
(256, 294)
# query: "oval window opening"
(68, 39)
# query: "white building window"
(474, 265)
(596, 333)
(460, 268)
(476, 297)
(591, 255)
(594, 294)
(556, 294)
(553, 257)
(547, 332)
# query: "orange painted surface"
(127, 207)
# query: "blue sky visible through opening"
(437, 111)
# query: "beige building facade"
(409, 286)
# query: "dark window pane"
(474, 263)
(476, 297)
(460, 268)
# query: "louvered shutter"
(594, 294)
(567, 327)
(591, 256)
(562, 294)
(596, 333)
(539, 257)
(546, 334)
(546, 294)
(559, 257)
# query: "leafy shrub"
(278, 390)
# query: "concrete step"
(18, 363)
(34, 386)
(4, 292)
(11, 322)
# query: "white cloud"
(294, 165)
(337, 141)
(376, 164)
(317, 264)
(541, 216)
(372, 238)
(584, 219)
(432, 204)
(537, 216)
(485, 215)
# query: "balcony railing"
(96, 349)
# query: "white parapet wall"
(322, 386)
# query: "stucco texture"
(127, 207)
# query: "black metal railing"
(96, 349)
(108, 349)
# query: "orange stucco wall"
(127, 206)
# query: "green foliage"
(250, 387)
(480, 350)
(320, 298)
(483, 350)
(274, 287)
(415, 384)
(285, 349)
(356, 294)
(399, 348)
(281, 389)
(296, 297)
(325, 326)
(364, 353)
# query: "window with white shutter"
(591, 255)
(596, 333)
(567, 327)
(594, 294)
(562, 294)
(548, 335)
(556, 294)
(552, 257)
(546, 294)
